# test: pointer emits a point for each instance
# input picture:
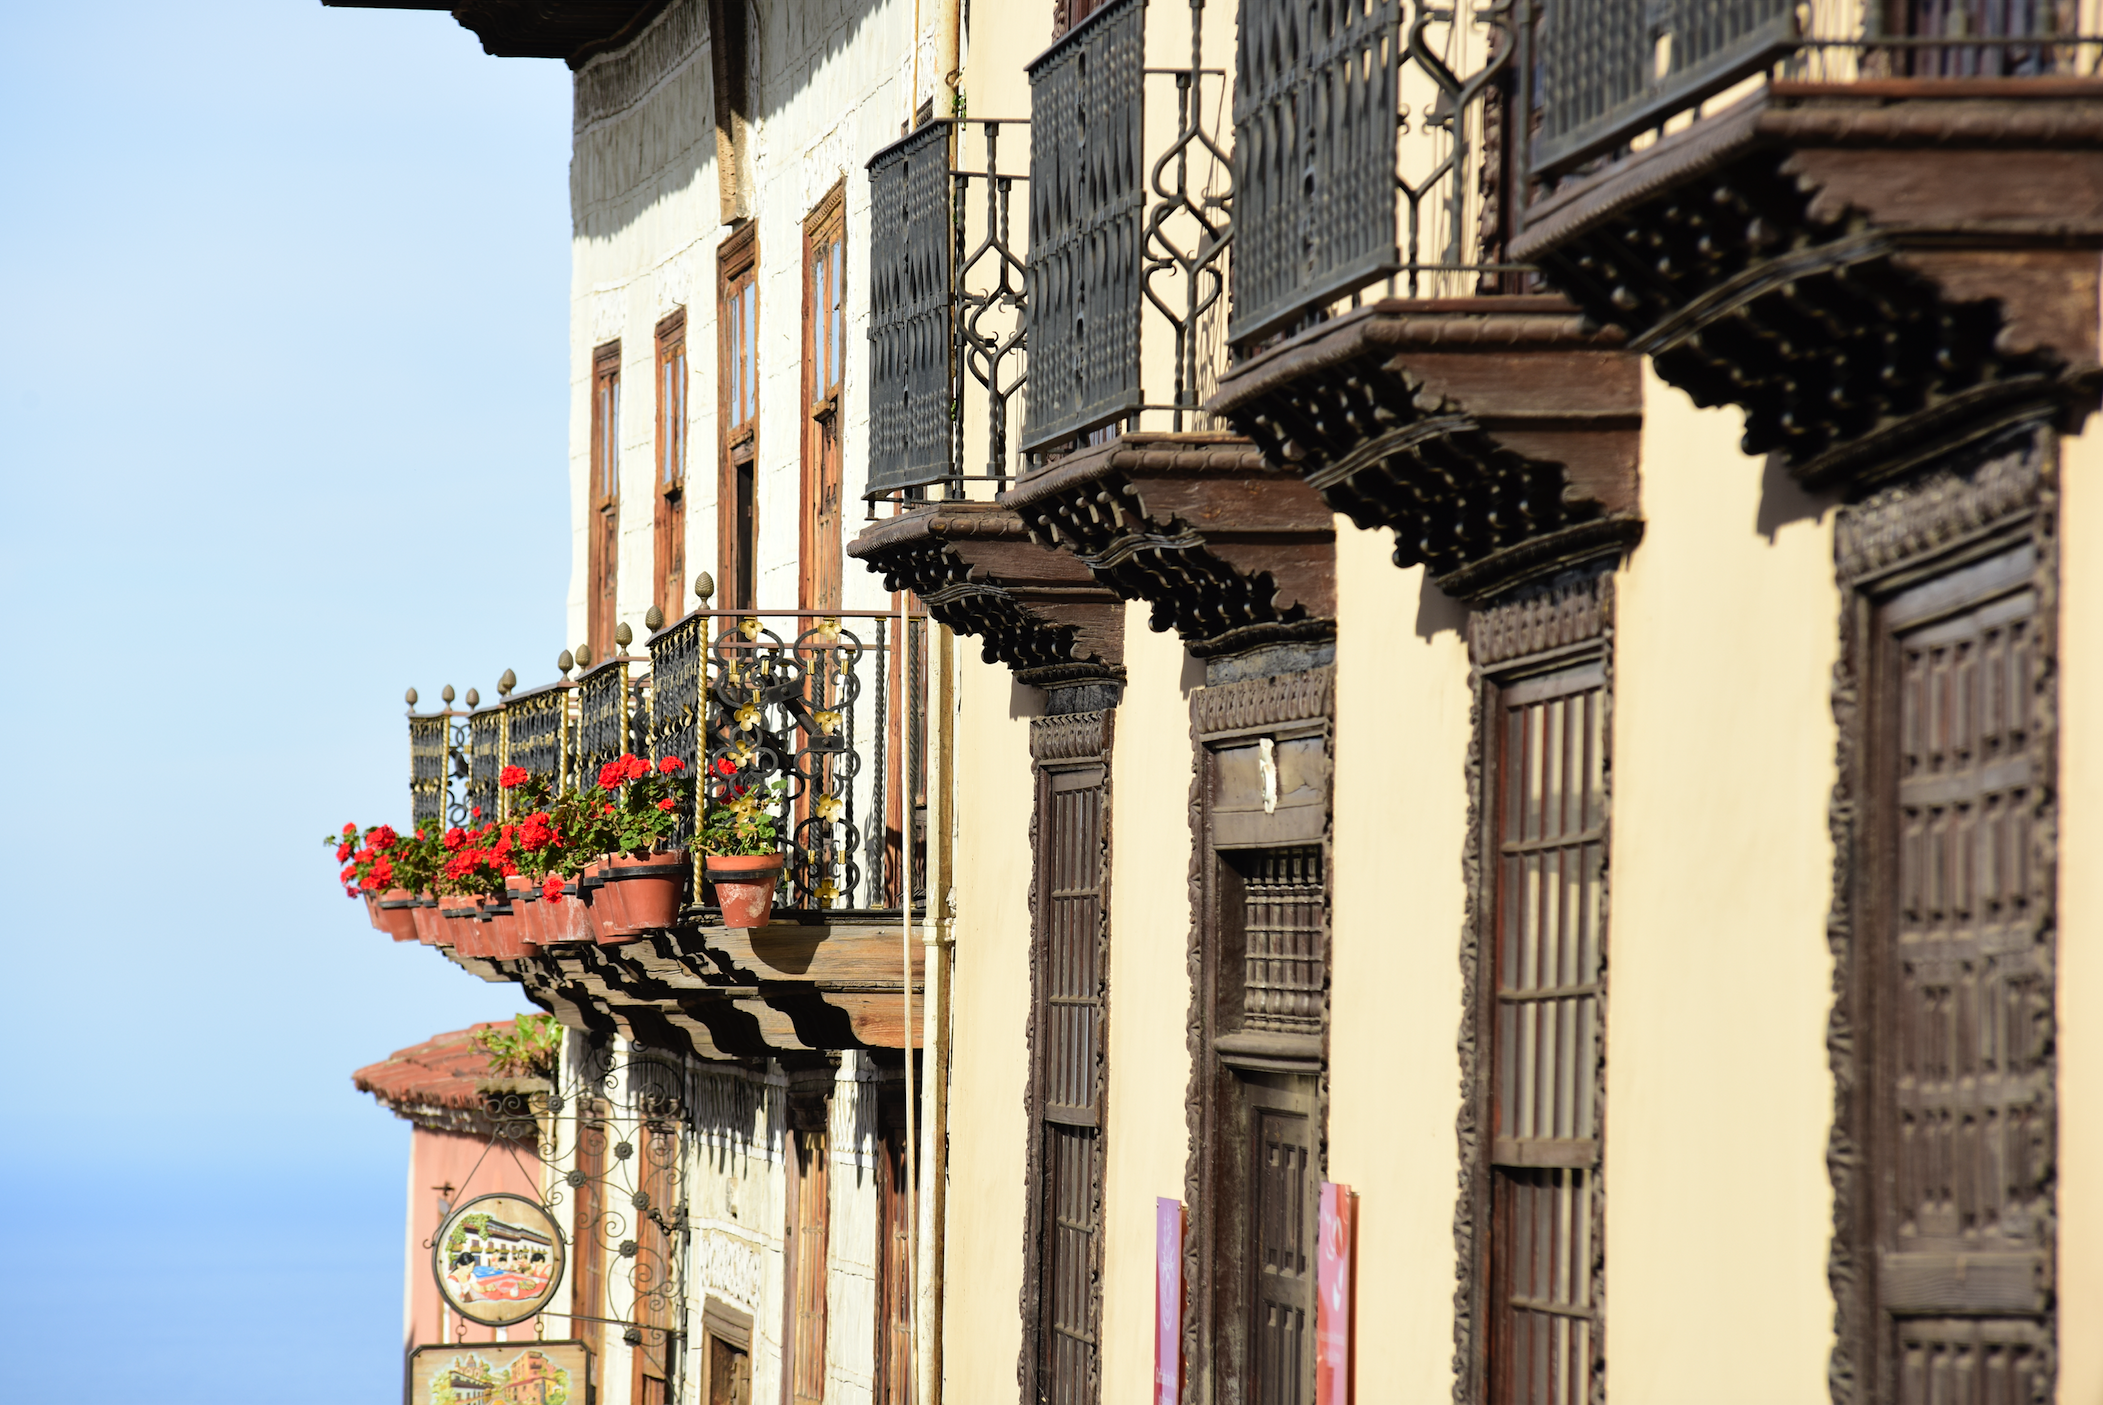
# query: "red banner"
(1334, 1283)
(1168, 1302)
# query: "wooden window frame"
(726, 1334)
(807, 1126)
(893, 1377)
(1943, 544)
(1243, 1072)
(1504, 645)
(603, 502)
(1069, 754)
(674, 380)
(654, 1360)
(819, 536)
(737, 442)
(588, 1248)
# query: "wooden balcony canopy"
(571, 30)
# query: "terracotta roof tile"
(439, 1073)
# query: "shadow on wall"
(626, 158)
(1783, 500)
(1437, 612)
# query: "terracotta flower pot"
(500, 928)
(524, 896)
(425, 914)
(460, 928)
(567, 918)
(395, 913)
(744, 885)
(609, 921)
(650, 888)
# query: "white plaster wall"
(1719, 980)
(647, 227)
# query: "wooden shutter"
(603, 545)
(1070, 987)
(737, 418)
(1283, 1201)
(587, 1246)
(668, 590)
(657, 1182)
(1959, 983)
(824, 368)
(894, 1297)
(727, 1339)
(809, 1202)
(1545, 1037)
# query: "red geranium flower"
(609, 809)
(454, 838)
(349, 830)
(382, 839)
(343, 852)
(383, 874)
(634, 767)
(512, 777)
(610, 775)
(667, 803)
(670, 764)
(724, 768)
(552, 889)
(478, 812)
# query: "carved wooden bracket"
(1231, 551)
(975, 568)
(1496, 436)
(780, 992)
(1877, 272)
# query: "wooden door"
(1958, 979)
(653, 1206)
(894, 1296)
(737, 419)
(824, 370)
(809, 1202)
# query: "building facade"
(1460, 770)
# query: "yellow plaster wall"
(1719, 1211)
(1395, 987)
(1149, 1068)
(982, 1326)
(2080, 957)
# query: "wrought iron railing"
(1122, 224)
(945, 308)
(1369, 149)
(1612, 71)
(815, 717)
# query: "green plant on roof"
(527, 1050)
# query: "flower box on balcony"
(393, 912)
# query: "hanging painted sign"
(509, 1373)
(1335, 1243)
(1168, 1302)
(498, 1259)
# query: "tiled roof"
(433, 1083)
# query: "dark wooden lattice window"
(1956, 981)
(1071, 964)
(1545, 1189)
(1283, 900)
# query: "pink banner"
(1168, 1302)
(1334, 1281)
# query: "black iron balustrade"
(1087, 209)
(1367, 148)
(944, 312)
(1612, 70)
(765, 709)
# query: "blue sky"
(282, 428)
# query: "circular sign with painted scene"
(498, 1259)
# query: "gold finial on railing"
(474, 699)
(705, 588)
(584, 656)
(445, 695)
(507, 683)
(623, 636)
(410, 697)
(653, 619)
(564, 663)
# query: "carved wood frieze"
(975, 568)
(1497, 436)
(1875, 272)
(1231, 551)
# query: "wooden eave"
(1231, 551)
(1875, 272)
(1496, 436)
(570, 30)
(974, 567)
(782, 991)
